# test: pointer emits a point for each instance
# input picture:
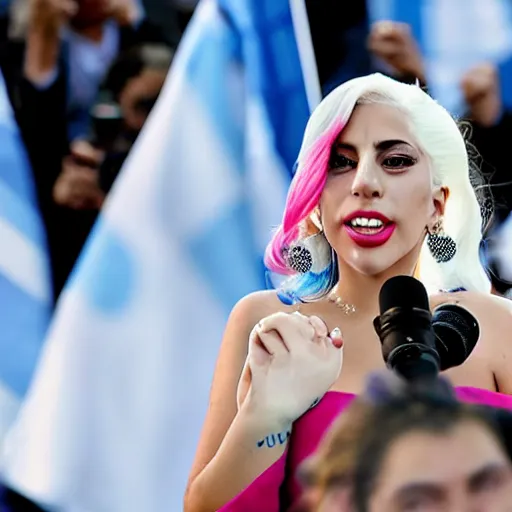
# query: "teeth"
(364, 222)
(374, 223)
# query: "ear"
(315, 220)
(439, 198)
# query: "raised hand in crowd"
(77, 186)
(481, 89)
(46, 18)
(50, 15)
(125, 12)
(394, 43)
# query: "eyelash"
(339, 162)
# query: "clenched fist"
(481, 89)
(292, 361)
(394, 43)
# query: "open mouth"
(369, 229)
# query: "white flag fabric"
(114, 414)
(25, 286)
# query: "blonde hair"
(438, 136)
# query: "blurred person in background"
(65, 57)
(382, 178)
(129, 92)
(429, 453)
(79, 41)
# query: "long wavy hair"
(439, 137)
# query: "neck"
(362, 291)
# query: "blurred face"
(462, 470)
(138, 97)
(378, 199)
(91, 12)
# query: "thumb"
(319, 326)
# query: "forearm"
(42, 55)
(251, 445)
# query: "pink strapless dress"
(264, 494)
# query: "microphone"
(415, 343)
(457, 332)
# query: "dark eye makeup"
(341, 163)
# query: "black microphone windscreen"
(457, 332)
(404, 292)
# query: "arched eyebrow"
(380, 146)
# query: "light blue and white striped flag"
(114, 415)
(25, 288)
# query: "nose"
(367, 180)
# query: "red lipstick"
(368, 228)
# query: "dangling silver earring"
(442, 246)
(299, 258)
(311, 254)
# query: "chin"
(372, 262)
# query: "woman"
(430, 452)
(382, 188)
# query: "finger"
(391, 28)
(257, 353)
(336, 339)
(385, 49)
(290, 326)
(392, 37)
(473, 89)
(319, 326)
(66, 7)
(401, 29)
(382, 27)
(268, 340)
(273, 343)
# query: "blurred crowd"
(82, 76)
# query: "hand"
(77, 185)
(394, 43)
(50, 15)
(292, 361)
(125, 12)
(77, 188)
(480, 86)
(85, 153)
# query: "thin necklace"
(348, 309)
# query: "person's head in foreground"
(402, 450)
(382, 186)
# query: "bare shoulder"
(483, 305)
(257, 305)
(494, 317)
(494, 314)
(232, 356)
